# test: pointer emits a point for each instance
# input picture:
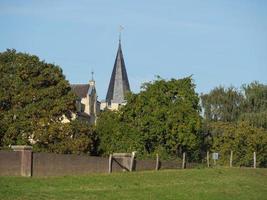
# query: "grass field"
(190, 184)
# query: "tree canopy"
(242, 139)
(34, 97)
(236, 120)
(222, 104)
(254, 108)
(231, 105)
(164, 117)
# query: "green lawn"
(190, 184)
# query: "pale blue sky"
(219, 42)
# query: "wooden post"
(183, 164)
(132, 161)
(231, 159)
(208, 158)
(110, 164)
(157, 162)
(254, 158)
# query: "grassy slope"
(170, 184)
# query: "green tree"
(254, 108)
(237, 121)
(243, 140)
(163, 117)
(75, 137)
(116, 135)
(222, 104)
(230, 105)
(34, 97)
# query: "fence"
(230, 159)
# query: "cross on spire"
(120, 30)
(92, 73)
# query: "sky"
(218, 42)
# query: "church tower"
(119, 83)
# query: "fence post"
(208, 158)
(157, 161)
(231, 159)
(183, 164)
(132, 161)
(254, 158)
(110, 164)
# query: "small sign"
(215, 156)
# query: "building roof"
(119, 83)
(81, 90)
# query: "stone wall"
(10, 163)
(51, 164)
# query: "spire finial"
(92, 73)
(120, 30)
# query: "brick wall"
(51, 164)
(10, 163)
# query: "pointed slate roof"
(119, 83)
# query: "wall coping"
(121, 154)
(21, 147)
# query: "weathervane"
(92, 73)
(120, 30)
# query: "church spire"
(119, 83)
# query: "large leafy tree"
(254, 108)
(34, 96)
(163, 117)
(237, 120)
(116, 135)
(222, 104)
(230, 105)
(242, 139)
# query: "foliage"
(237, 121)
(243, 140)
(34, 97)
(75, 137)
(222, 104)
(230, 105)
(115, 135)
(254, 108)
(163, 117)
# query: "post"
(208, 158)
(132, 161)
(231, 159)
(26, 159)
(254, 158)
(110, 164)
(157, 162)
(183, 165)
